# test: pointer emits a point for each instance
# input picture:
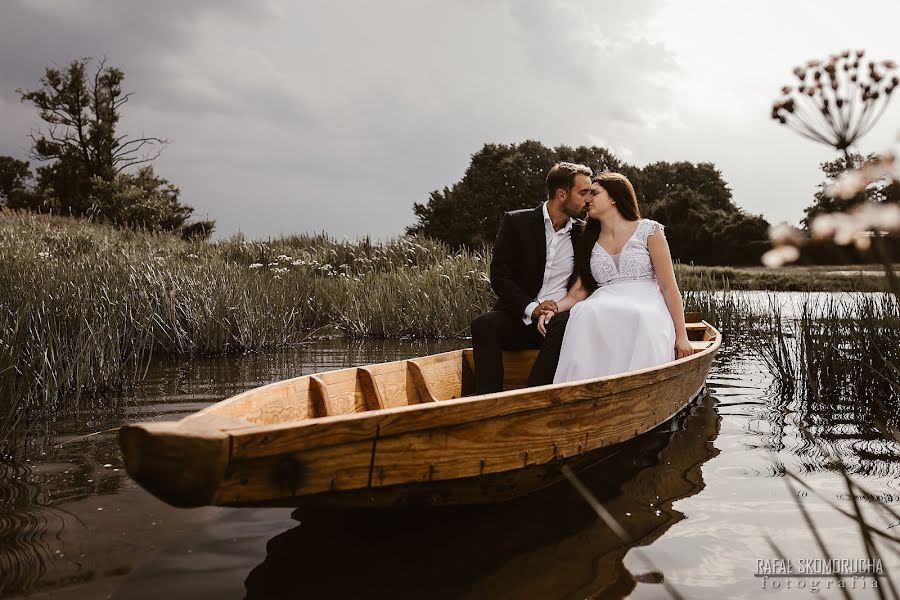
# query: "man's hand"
(546, 305)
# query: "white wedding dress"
(625, 324)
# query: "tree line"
(703, 224)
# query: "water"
(703, 498)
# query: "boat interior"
(434, 378)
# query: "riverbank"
(795, 278)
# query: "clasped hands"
(544, 312)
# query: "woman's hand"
(542, 322)
(683, 347)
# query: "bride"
(625, 307)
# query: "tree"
(85, 158)
(15, 183)
(147, 201)
(703, 224)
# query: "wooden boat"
(404, 431)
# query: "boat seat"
(701, 346)
(696, 331)
(437, 377)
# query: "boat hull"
(440, 449)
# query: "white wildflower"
(273, 264)
(823, 227)
(847, 185)
(192, 256)
(847, 227)
(783, 233)
(887, 218)
(255, 265)
(781, 255)
(851, 183)
(279, 270)
(45, 255)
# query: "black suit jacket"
(519, 258)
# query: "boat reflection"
(546, 545)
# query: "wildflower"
(192, 256)
(783, 233)
(45, 255)
(849, 227)
(850, 104)
(781, 255)
(823, 227)
(255, 265)
(863, 241)
(853, 182)
(847, 185)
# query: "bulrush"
(839, 100)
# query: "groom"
(532, 268)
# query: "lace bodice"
(633, 262)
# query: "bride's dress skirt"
(620, 327)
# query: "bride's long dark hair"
(622, 192)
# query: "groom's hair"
(562, 177)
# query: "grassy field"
(800, 278)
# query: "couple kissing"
(596, 296)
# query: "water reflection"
(546, 545)
(24, 522)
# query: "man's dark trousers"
(497, 330)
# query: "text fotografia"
(815, 574)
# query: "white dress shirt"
(559, 265)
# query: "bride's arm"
(576, 294)
(665, 277)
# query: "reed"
(837, 355)
(84, 307)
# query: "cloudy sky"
(311, 116)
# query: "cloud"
(311, 116)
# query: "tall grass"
(84, 307)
